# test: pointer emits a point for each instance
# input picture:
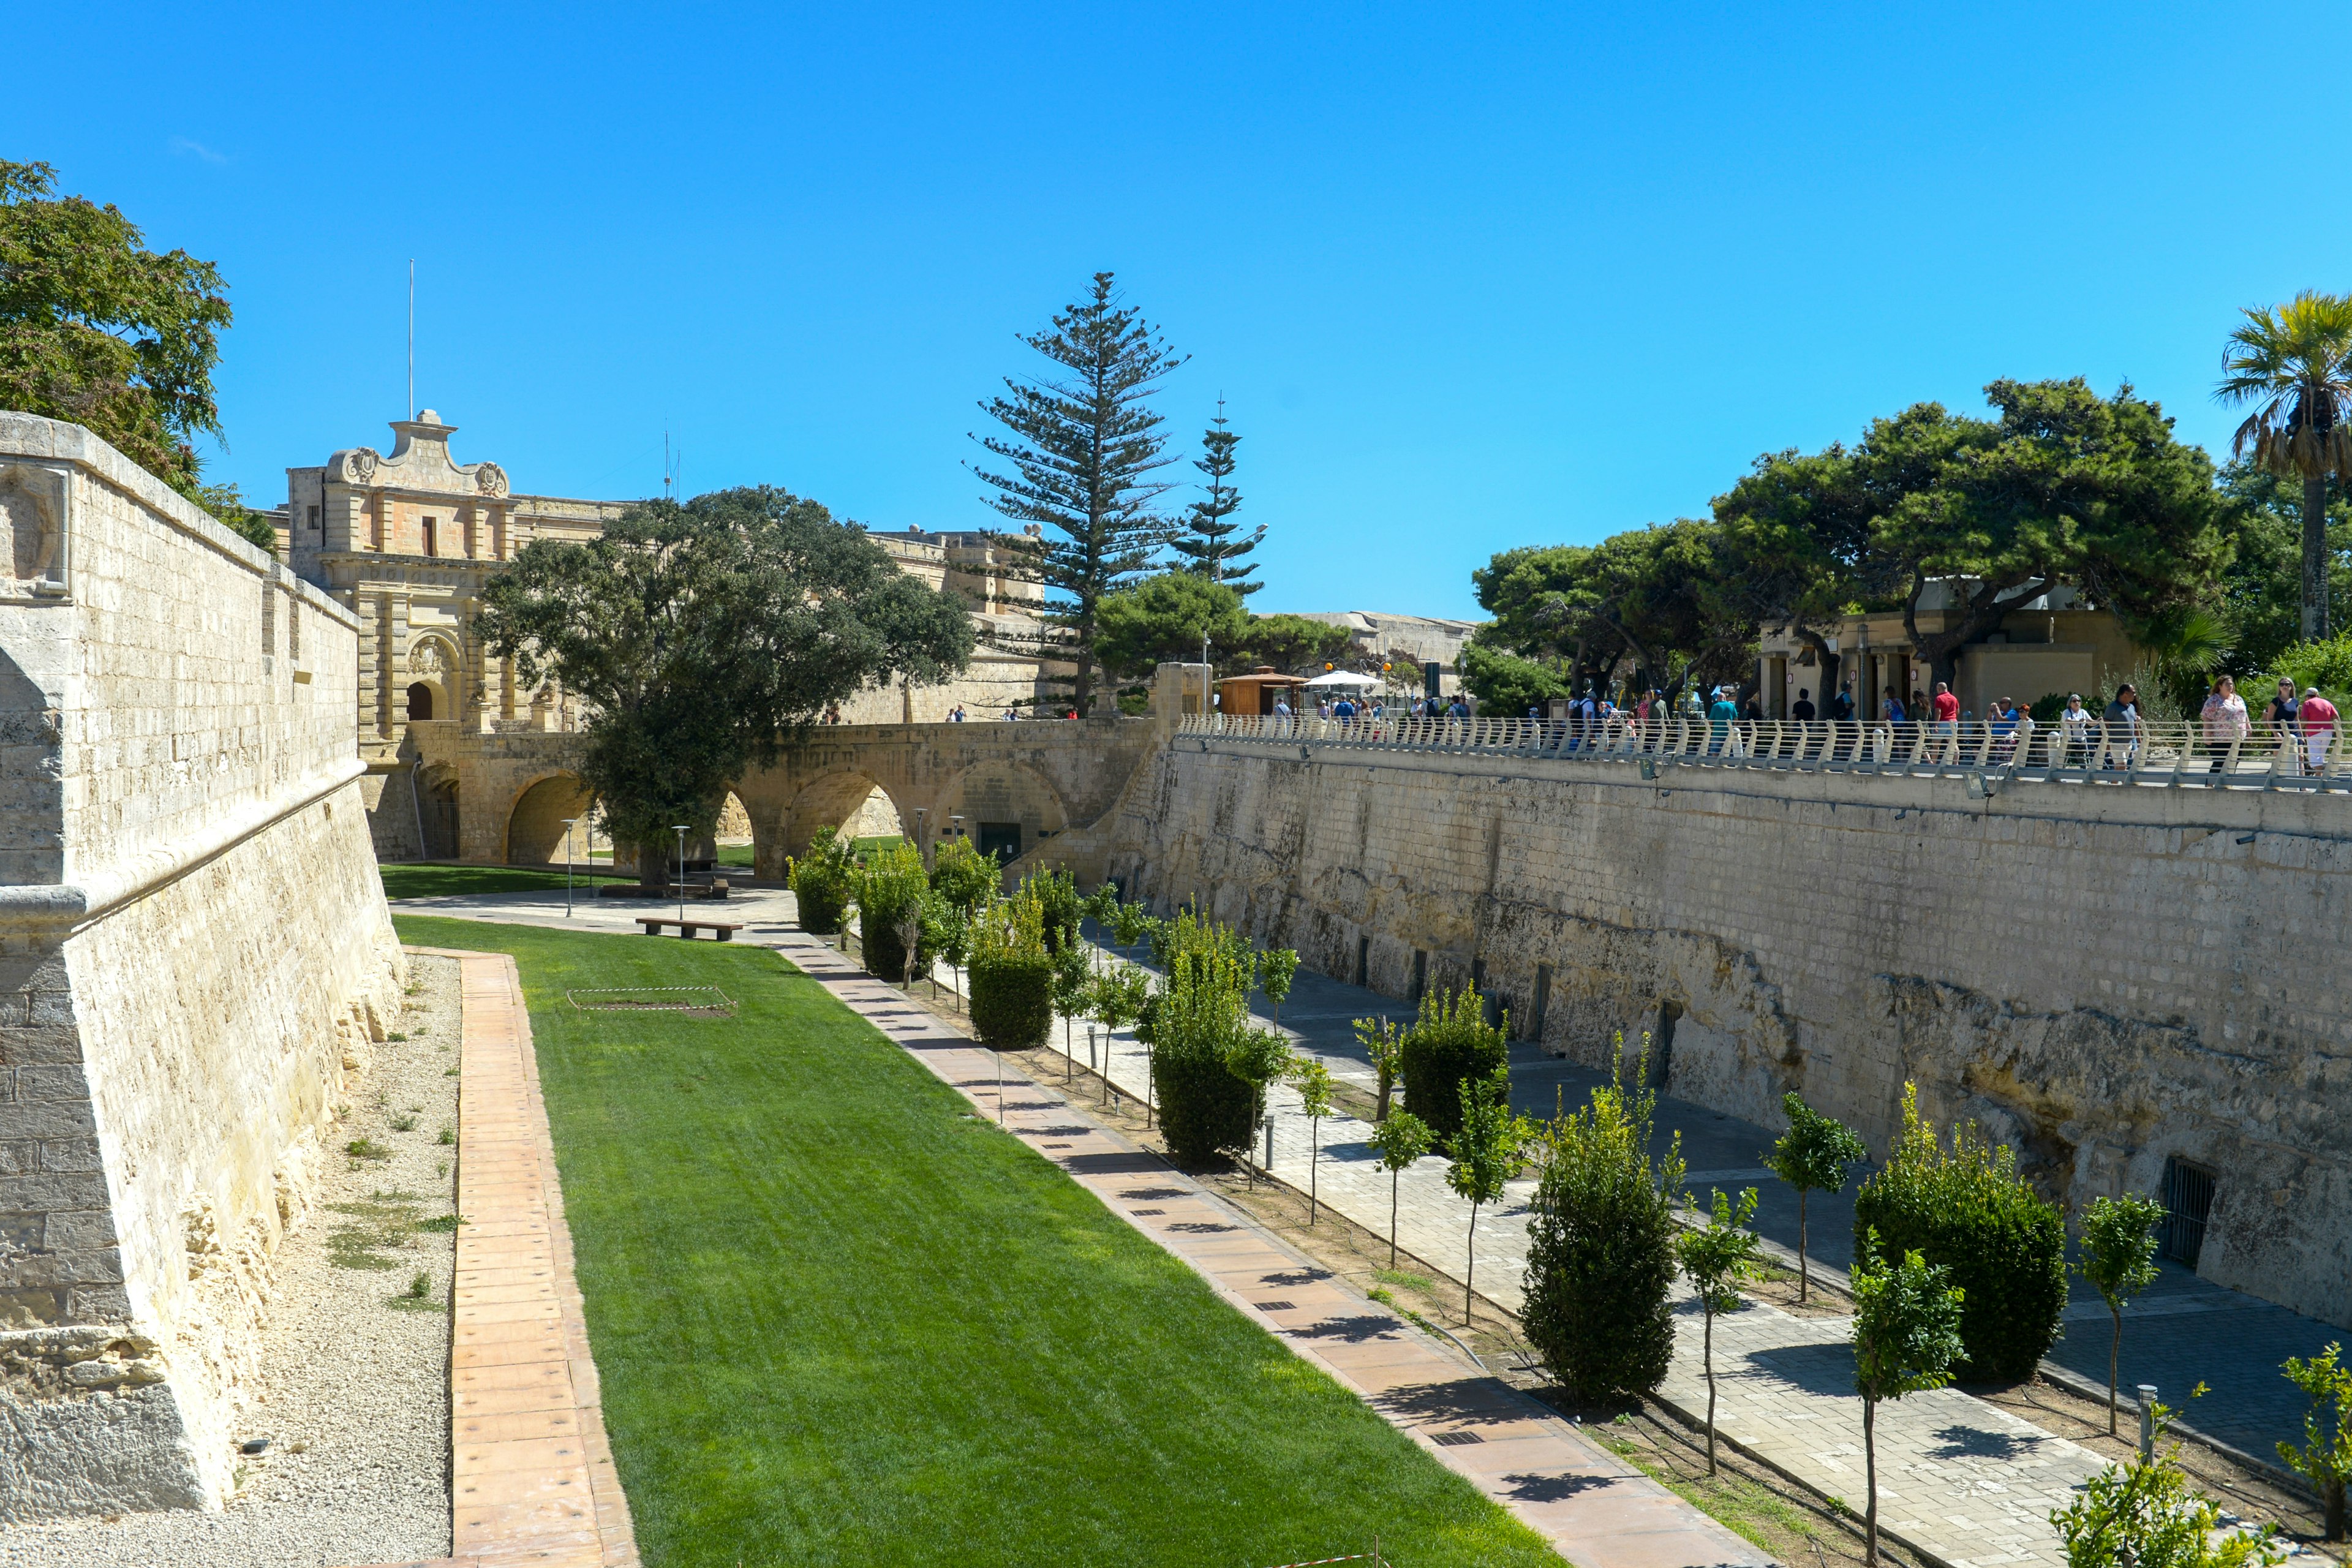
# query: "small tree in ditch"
(1277, 968)
(1907, 1337)
(1716, 1256)
(1073, 989)
(1965, 1208)
(2324, 1459)
(1313, 1081)
(1058, 906)
(1012, 975)
(1483, 1156)
(1383, 1044)
(962, 875)
(821, 881)
(1450, 1041)
(1258, 1058)
(1129, 923)
(1200, 1013)
(1402, 1138)
(2147, 1515)
(947, 933)
(890, 893)
(1601, 1252)
(2120, 1260)
(1816, 1151)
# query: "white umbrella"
(1347, 678)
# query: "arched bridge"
(1012, 787)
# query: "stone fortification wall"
(2104, 977)
(194, 953)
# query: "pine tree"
(1082, 451)
(1208, 545)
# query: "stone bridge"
(1029, 790)
(1010, 787)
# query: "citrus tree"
(1715, 1258)
(2118, 1258)
(1816, 1151)
(1907, 1335)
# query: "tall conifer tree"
(1082, 449)
(1207, 543)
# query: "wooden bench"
(654, 923)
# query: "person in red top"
(1947, 723)
(2316, 722)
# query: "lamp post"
(568, 823)
(681, 878)
(955, 825)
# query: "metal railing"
(2175, 753)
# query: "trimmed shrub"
(1012, 999)
(1449, 1043)
(1601, 1252)
(890, 894)
(1197, 1021)
(1012, 975)
(963, 876)
(1965, 1209)
(821, 880)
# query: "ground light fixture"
(568, 823)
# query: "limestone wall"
(2104, 976)
(194, 954)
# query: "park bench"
(724, 930)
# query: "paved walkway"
(532, 1476)
(1597, 1510)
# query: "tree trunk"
(2315, 559)
(2115, 1352)
(1709, 1362)
(1393, 1221)
(2333, 1492)
(1314, 1167)
(1870, 1481)
(1470, 1273)
(1804, 1274)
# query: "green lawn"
(840, 1322)
(424, 881)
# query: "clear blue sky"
(1465, 282)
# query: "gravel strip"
(353, 1390)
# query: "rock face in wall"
(194, 954)
(2104, 977)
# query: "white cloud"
(182, 144)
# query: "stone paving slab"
(1597, 1510)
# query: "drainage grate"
(1277, 1307)
(702, 1001)
(1058, 1145)
(1147, 1211)
(1456, 1440)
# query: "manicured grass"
(422, 882)
(839, 1321)
(734, 855)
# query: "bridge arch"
(535, 830)
(1008, 808)
(834, 800)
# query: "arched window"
(420, 700)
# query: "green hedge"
(1449, 1042)
(1011, 998)
(1966, 1208)
(821, 882)
(1198, 1020)
(892, 888)
(1600, 1248)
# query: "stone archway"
(439, 822)
(1006, 809)
(840, 800)
(535, 830)
(432, 665)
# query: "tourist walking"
(2120, 729)
(2316, 723)
(2284, 717)
(2224, 720)
(2074, 729)
(1721, 714)
(1841, 713)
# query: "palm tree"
(2294, 362)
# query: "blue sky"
(1529, 277)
